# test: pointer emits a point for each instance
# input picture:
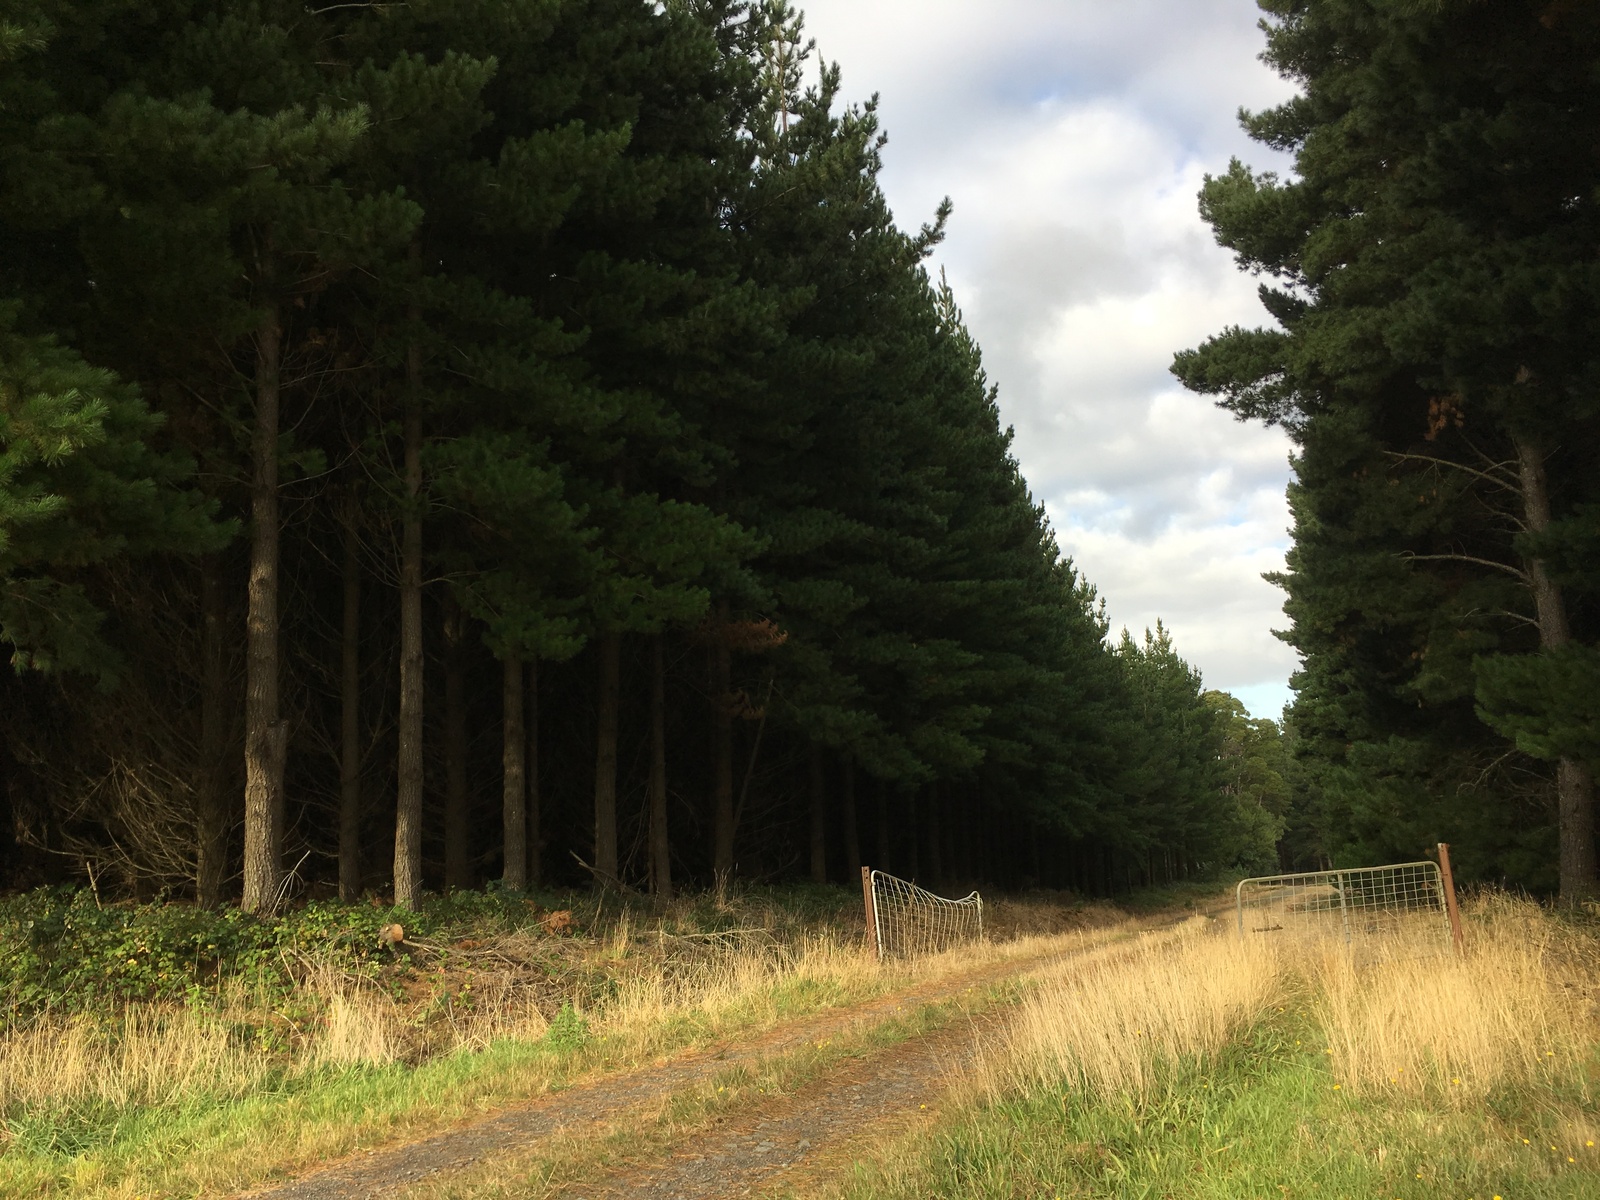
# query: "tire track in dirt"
(394, 1168)
(812, 1135)
(809, 1129)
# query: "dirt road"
(813, 1132)
(778, 1140)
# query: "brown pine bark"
(457, 852)
(1574, 785)
(211, 796)
(408, 798)
(605, 758)
(660, 845)
(852, 833)
(913, 837)
(266, 734)
(513, 810)
(722, 752)
(350, 708)
(885, 858)
(819, 816)
(534, 832)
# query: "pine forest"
(511, 444)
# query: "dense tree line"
(1432, 267)
(511, 440)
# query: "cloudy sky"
(1072, 136)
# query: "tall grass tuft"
(144, 1056)
(361, 1025)
(1511, 1012)
(1120, 1024)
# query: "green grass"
(1268, 1119)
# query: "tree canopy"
(1430, 267)
(460, 442)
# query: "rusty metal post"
(1448, 879)
(872, 913)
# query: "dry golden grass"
(1202, 1066)
(665, 992)
(1513, 1011)
(1517, 1010)
(147, 1056)
(1115, 1023)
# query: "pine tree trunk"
(266, 734)
(964, 836)
(660, 847)
(513, 809)
(819, 816)
(852, 831)
(935, 827)
(949, 853)
(721, 752)
(1574, 785)
(605, 759)
(211, 797)
(913, 837)
(408, 800)
(350, 710)
(535, 835)
(457, 852)
(884, 857)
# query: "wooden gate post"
(872, 913)
(1449, 881)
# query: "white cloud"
(1073, 136)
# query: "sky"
(1072, 137)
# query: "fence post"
(872, 913)
(1344, 909)
(1447, 877)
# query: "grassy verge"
(1200, 1070)
(162, 1097)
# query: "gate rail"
(1359, 901)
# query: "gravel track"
(883, 1080)
(762, 1150)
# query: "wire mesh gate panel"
(909, 920)
(1406, 899)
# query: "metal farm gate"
(1415, 899)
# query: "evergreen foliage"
(1431, 270)
(612, 493)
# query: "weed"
(568, 1032)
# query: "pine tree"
(1432, 279)
(79, 484)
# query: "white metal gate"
(1404, 899)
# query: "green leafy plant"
(568, 1032)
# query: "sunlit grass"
(1202, 1067)
(221, 1095)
